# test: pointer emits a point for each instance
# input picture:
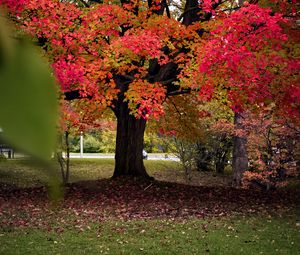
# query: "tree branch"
(186, 11)
(167, 9)
(179, 92)
(75, 94)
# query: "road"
(151, 156)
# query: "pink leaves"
(15, 6)
(246, 56)
(69, 73)
(208, 5)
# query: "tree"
(240, 154)
(131, 56)
(247, 65)
(76, 119)
(203, 131)
(273, 147)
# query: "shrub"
(273, 148)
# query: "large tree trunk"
(129, 143)
(240, 155)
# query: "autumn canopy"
(131, 56)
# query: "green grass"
(25, 173)
(217, 236)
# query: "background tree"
(273, 147)
(78, 118)
(248, 74)
(201, 130)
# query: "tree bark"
(129, 143)
(191, 12)
(240, 155)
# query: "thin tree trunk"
(62, 166)
(67, 160)
(64, 162)
(129, 143)
(240, 155)
(220, 164)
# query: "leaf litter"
(128, 199)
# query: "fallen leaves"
(130, 199)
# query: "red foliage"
(16, 6)
(247, 54)
(273, 148)
(68, 73)
(245, 57)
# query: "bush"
(74, 143)
(107, 140)
(91, 144)
(273, 150)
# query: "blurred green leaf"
(28, 101)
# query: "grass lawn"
(25, 173)
(252, 235)
(134, 217)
